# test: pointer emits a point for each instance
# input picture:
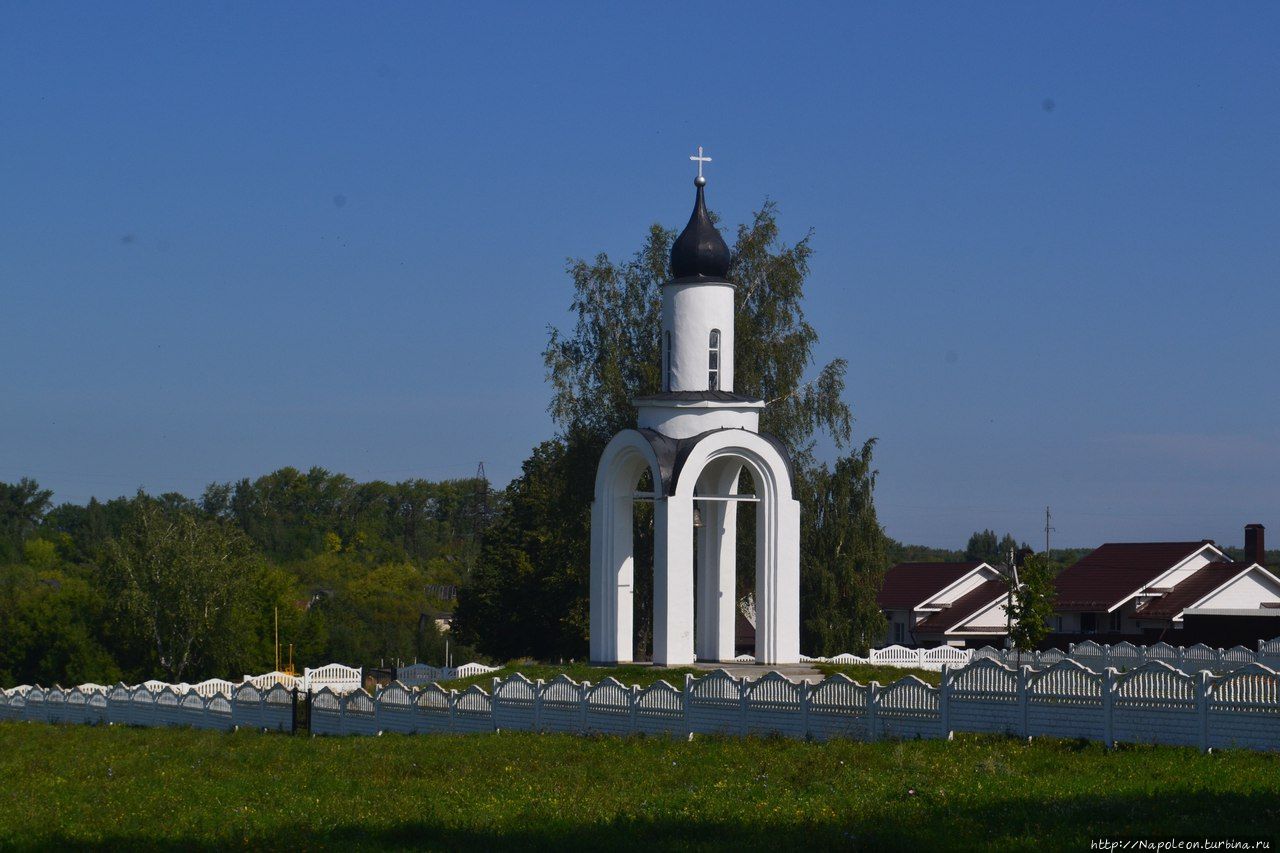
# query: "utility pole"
(1048, 518)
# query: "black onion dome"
(699, 253)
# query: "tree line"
(169, 586)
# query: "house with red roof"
(1141, 591)
(959, 604)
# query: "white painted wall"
(685, 420)
(689, 313)
(1248, 592)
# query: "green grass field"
(170, 788)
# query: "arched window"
(713, 362)
(668, 356)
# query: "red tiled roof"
(1114, 571)
(909, 584)
(963, 609)
(1191, 590)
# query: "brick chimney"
(1255, 547)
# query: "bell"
(697, 518)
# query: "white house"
(944, 603)
(1144, 589)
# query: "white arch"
(777, 545)
(625, 458)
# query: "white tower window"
(713, 362)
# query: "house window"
(1057, 624)
(899, 633)
(1088, 623)
(713, 362)
(668, 353)
(1115, 621)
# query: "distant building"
(959, 604)
(1142, 591)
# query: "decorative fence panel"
(610, 708)
(77, 706)
(1156, 703)
(984, 697)
(908, 708)
(1066, 700)
(277, 709)
(55, 705)
(473, 711)
(168, 705)
(561, 706)
(774, 704)
(96, 712)
(218, 713)
(191, 710)
(515, 701)
(395, 709)
(713, 704)
(837, 708)
(246, 707)
(326, 713)
(433, 709)
(1151, 703)
(660, 710)
(359, 714)
(1244, 709)
(335, 676)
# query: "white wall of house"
(1189, 568)
(992, 620)
(1250, 591)
(962, 587)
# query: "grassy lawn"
(169, 788)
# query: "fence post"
(1182, 658)
(1108, 707)
(944, 702)
(633, 693)
(688, 694)
(1202, 709)
(1023, 671)
(873, 706)
(453, 710)
(804, 709)
(583, 690)
(742, 705)
(538, 688)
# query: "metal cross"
(700, 159)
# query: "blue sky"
(241, 236)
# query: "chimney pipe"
(1255, 547)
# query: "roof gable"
(1201, 586)
(1113, 573)
(908, 585)
(968, 606)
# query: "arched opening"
(747, 544)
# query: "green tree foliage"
(984, 547)
(843, 550)
(1031, 604)
(22, 508)
(530, 594)
(181, 584)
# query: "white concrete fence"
(1153, 703)
(1121, 656)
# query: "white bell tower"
(696, 437)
